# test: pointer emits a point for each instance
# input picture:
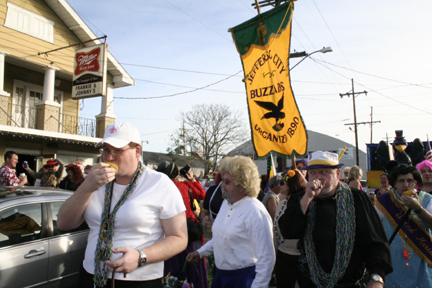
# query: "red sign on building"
(89, 78)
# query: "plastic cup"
(209, 225)
(22, 175)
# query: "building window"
(36, 96)
(30, 23)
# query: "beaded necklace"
(345, 234)
(106, 233)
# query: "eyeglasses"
(323, 172)
(114, 152)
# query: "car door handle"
(34, 253)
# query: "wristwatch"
(418, 210)
(142, 257)
(377, 278)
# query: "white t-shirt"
(137, 223)
(243, 237)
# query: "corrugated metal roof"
(154, 158)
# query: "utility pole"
(368, 122)
(355, 116)
(184, 140)
(371, 123)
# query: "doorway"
(32, 162)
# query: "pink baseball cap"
(120, 134)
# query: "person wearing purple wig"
(425, 169)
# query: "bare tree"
(212, 129)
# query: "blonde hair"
(346, 169)
(355, 173)
(245, 173)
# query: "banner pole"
(257, 7)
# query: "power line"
(221, 74)
(176, 94)
(178, 70)
(337, 43)
(198, 21)
(393, 99)
(372, 75)
(181, 86)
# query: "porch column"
(106, 117)
(2, 65)
(49, 84)
(48, 111)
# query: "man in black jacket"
(339, 230)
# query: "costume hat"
(429, 156)
(51, 163)
(323, 159)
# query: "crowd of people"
(312, 226)
(50, 175)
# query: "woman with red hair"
(74, 178)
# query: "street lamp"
(323, 50)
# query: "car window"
(20, 224)
(55, 206)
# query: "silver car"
(33, 251)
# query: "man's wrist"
(142, 257)
(377, 278)
(418, 210)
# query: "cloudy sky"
(181, 50)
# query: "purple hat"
(305, 161)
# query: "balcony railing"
(26, 117)
(78, 125)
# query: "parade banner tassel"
(272, 167)
(342, 152)
(263, 43)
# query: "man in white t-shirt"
(136, 215)
(242, 241)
